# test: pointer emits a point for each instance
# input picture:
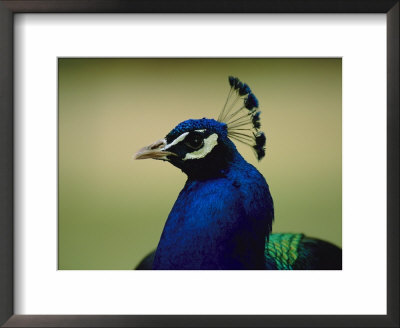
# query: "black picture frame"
(10, 7)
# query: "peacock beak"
(155, 151)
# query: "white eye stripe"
(177, 140)
(181, 138)
(209, 143)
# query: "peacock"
(222, 218)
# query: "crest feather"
(242, 118)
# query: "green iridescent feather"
(283, 249)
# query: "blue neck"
(218, 223)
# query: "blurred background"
(112, 209)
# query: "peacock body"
(223, 216)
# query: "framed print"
(84, 85)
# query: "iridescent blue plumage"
(190, 125)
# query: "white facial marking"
(177, 140)
(200, 130)
(209, 144)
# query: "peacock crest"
(242, 117)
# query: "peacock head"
(202, 147)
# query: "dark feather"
(251, 101)
(288, 252)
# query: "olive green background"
(112, 209)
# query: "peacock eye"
(194, 141)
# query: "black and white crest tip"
(242, 118)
